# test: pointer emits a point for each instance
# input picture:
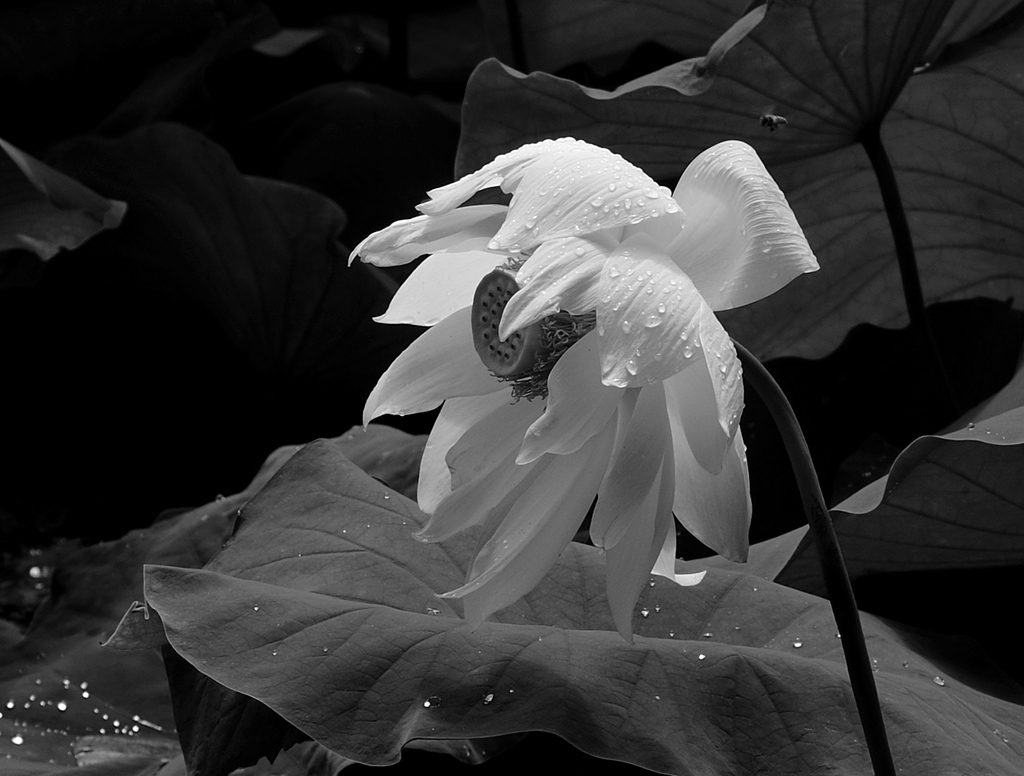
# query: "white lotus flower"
(574, 347)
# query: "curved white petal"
(440, 285)
(497, 436)
(706, 399)
(468, 228)
(540, 524)
(665, 565)
(440, 364)
(455, 418)
(561, 188)
(636, 460)
(561, 275)
(741, 241)
(575, 189)
(488, 497)
(648, 318)
(629, 562)
(714, 507)
(579, 405)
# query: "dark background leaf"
(222, 313)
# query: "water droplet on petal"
(488, 698)
(626, 325)
(653, 321)
(644, 612)
(797, 644)
(939, 681)
(631, 367)
(17, 740)
(701, 656)
(433, 700)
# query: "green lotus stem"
(833, 568)
(871, 139)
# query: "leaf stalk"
(910, 278)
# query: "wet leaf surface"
(754, 669)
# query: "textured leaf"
(951, 501)
(42, 210)
(562, 32)
(833, 71)
(324, 608)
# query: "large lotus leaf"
(557, 33)
(64, 699)
(324, 608)
(833, 71)
(951, 501)
(43, 211)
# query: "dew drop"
(627, 326)
(433, 611)
(17, 740)
(970, 426)
(631, 367)
(433, 700)
(488, 698)
(255, 608)
(653, 321)
(671, 634)
(62, 706)
(939, 681)
(614, 272)
(644, 612)
(797, 644)
(701, 656)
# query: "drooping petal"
(741, 241)
(706, 398)
(465, 229)
(579, 405)
(630, 560)
(636, 463)
(648, 318)
(540, 524)
(440, 364)
(440, 285)
(488, 497)
(455, 418)
(496, 437)
(714, 507)
(665, 565)
(561, 275)
(561, 188)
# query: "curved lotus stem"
(833, 568)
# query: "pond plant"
(577, 319)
